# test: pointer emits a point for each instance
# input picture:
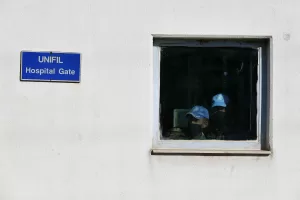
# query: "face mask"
(195, 130)
(218, 120)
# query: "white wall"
(92, 140)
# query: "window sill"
(165, 151)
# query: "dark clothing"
(217, 124)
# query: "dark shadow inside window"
(191, 76)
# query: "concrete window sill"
(161, 151)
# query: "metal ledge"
(210, 152)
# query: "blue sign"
(48, 66)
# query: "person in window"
(218, 116)
(197, 120)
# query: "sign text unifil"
(49, 59)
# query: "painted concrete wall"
(92, 140)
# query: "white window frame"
(260, 146)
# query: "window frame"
(260, 146)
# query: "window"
(211, 94)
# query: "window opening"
(195, 76)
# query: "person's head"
(198, 118)
(199, 112)
(220, 100)
(218, 115)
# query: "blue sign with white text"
(48, 66)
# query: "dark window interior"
(191, 76)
